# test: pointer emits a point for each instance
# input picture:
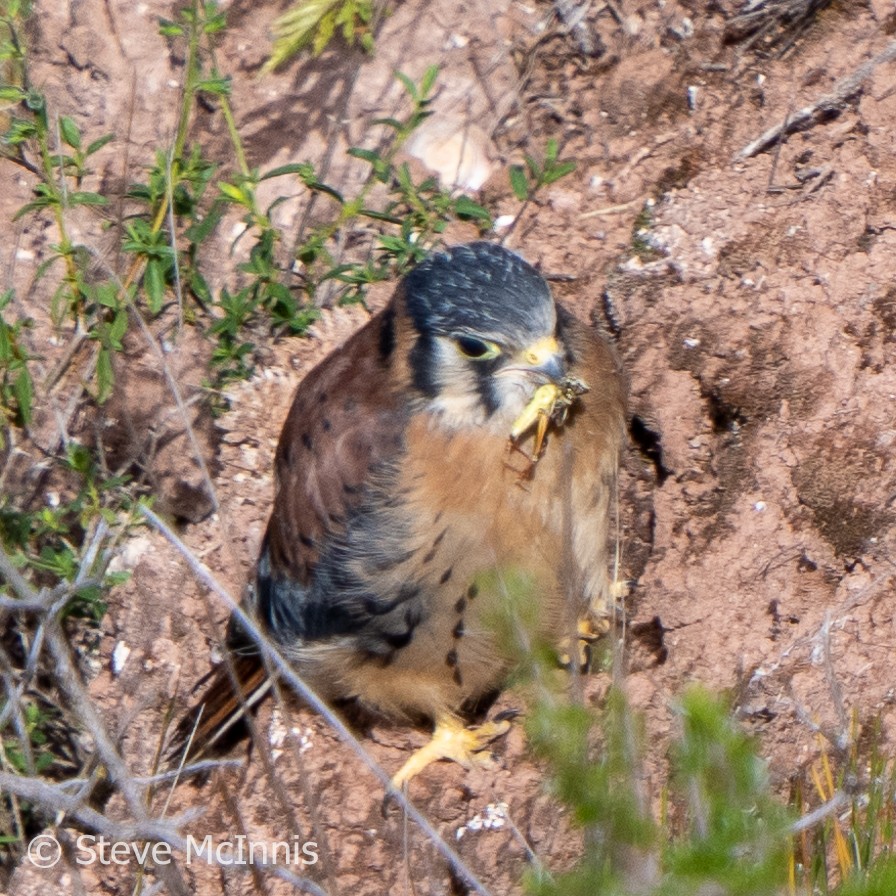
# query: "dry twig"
(832, 102)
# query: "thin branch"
(832, 102)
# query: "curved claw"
(452, 740)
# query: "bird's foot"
(452, 740)
(588, 631)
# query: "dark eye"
(478, 349)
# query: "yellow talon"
(452, 740)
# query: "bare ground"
(751, 299)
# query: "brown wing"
(345, 420)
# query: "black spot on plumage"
(451, 658)
(472, 591)
(435, 545)
(458, 630)
(386, 563)
(445, 576)
(306, 441)
(461, 605)
(457, 677)
(398, 640)
(376, 606)
(306, 540)
(326, 425)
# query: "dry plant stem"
(831, 102)
(833, 806)
(69, 680)
(187, 771)
(311, 799)
(57, 798)
(285, 670)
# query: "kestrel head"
(485, 328)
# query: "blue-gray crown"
(479, 288)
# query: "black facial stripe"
(422, 362)
(563, 318)
(485, 386)
(387, 334)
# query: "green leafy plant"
(729, 834)
(16, 387)
(526, 180)
(313, 24)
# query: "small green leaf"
(154, 283)
(9, 93)
(199, 230)
(24, 393)
(80, 198)
(300, 168)
(30, 207)
(368, 155)
(325, 29)
(215, 86)
(234, 193)
(98, 144)
(429, 80)
(464, 207)
(409, 85)
(167, 28)
(106, 294)
(393, 123)
(105, 378)
(519, 183)
(199, 287)
(559, 170)
(117, 329)
(69, 131)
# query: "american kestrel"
(464, 441)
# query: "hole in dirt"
(651, 638)
(723, 416)
(650, 444)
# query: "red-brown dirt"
(752, 301)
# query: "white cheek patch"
(459, 403)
